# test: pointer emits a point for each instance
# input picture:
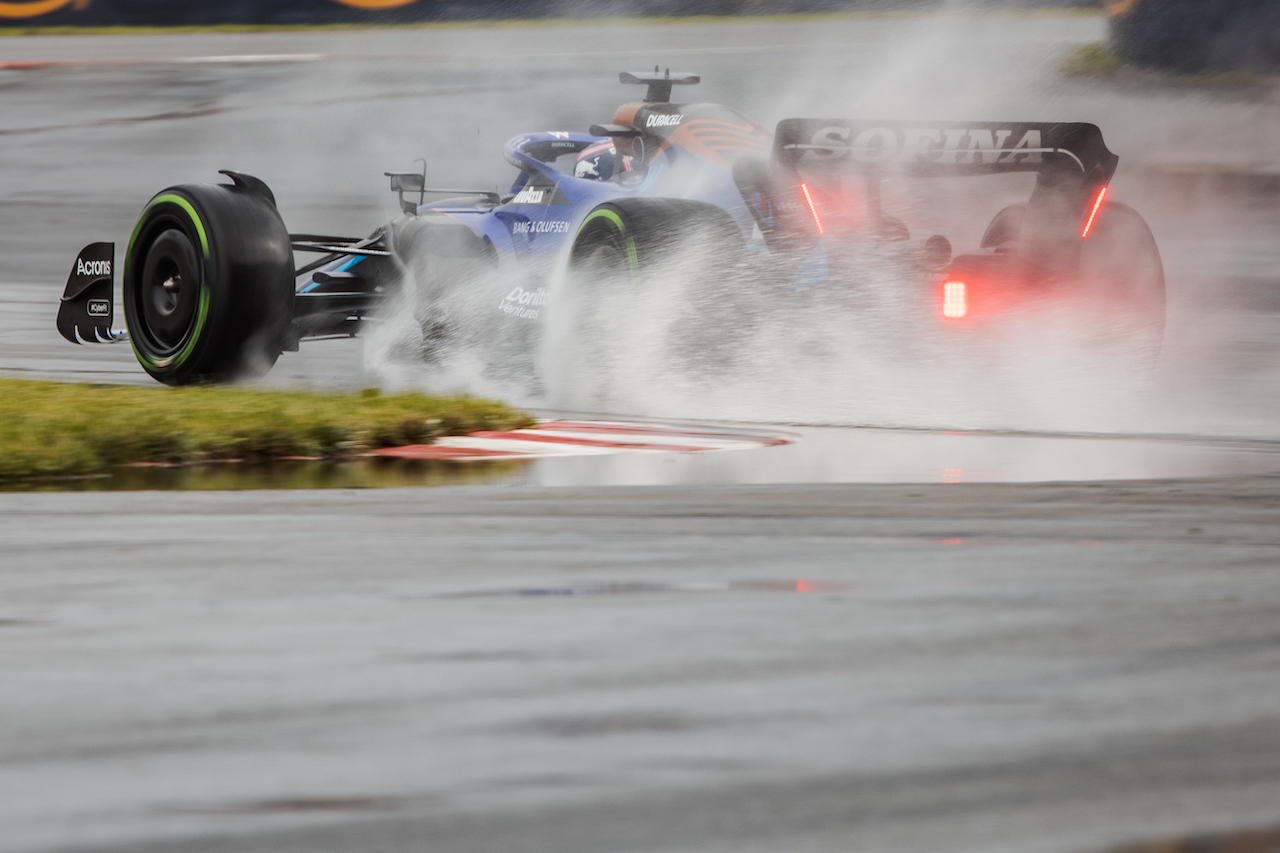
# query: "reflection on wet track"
(859, 455)
(758, 456)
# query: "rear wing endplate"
(930, 149)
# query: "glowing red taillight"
(955, 299)
(1093, 212)
(804, 188)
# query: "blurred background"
(1184, 35)
(1055, 668)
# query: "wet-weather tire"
(635, 236)
(636, 271)
(1120, 268)
(208, 284)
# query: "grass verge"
(50, 428)
(1091, 60)
(1097, 61)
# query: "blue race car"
(212, 293)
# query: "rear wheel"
(208, 284)
(1119, 276)
(637, 268)
(1120, 267)
(643, 235)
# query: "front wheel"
(208, 284)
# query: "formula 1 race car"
(211, 291)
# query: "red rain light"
(955, 299)
(1097, 205)
(804, 188)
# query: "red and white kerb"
(579, 438)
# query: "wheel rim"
(603, 255)
(169, 292)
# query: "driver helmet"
(600, 161)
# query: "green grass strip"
(1092, 60)
(1097, 61)
(50, 428)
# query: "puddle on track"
(821, 455)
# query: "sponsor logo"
(530, 196)
(376, 4)
(525, 304)
(99, 307)
(953, 146)
(550, 226)
(84, 267)
(560, 134)
(34, 8)
(664, 120)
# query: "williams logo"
(99, 308)
(664, 120)
(102, 268)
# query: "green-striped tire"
(631, 237)
(208, 284)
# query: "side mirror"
(407, 182)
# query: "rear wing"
(932, 149)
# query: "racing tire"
(637, 274)
(636, 236)
(1121, 269)
(209, 284)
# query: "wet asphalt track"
(835, 668)
(979, 668)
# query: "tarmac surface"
(1031, 667)
(911, 668)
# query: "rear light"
(1093, 212)
(804, 188)
(955, 299)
